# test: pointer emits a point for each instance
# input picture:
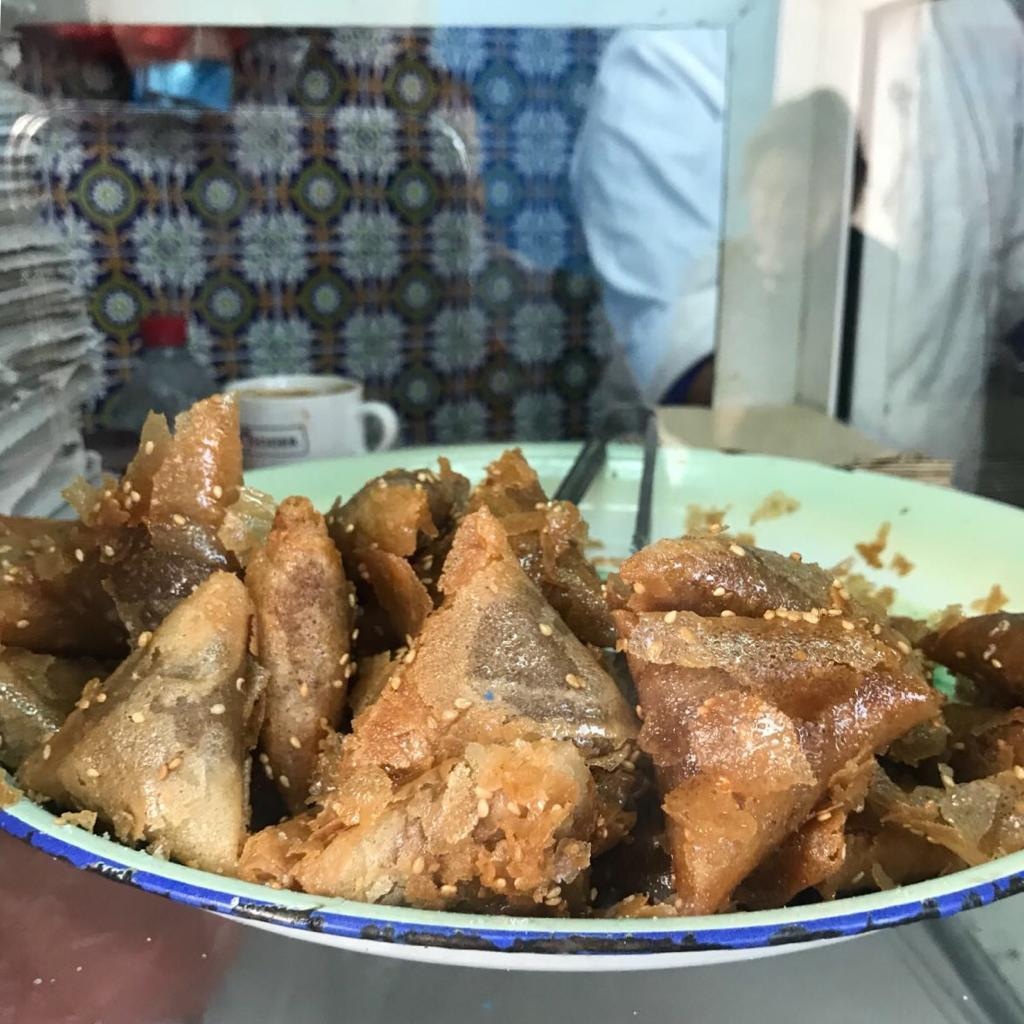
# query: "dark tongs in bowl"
(588, 464)
(645, 499)
(593, 455)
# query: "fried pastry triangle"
(160, 749)
(751, 722)
(466, 781)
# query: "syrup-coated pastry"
(988, 649)
(302, 639)
(160, 749)
(549, 538)
(753, 724)
(471, 780)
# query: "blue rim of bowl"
(346, 919)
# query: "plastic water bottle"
(167, 379)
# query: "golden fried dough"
(394, 535)
(141, 545)
(160, 750)
(498, 827)
(52, 599)
(989, 649)
(549, 538)
(302, 635)
(466, 781)
(497, 647)
(37, 692)
(750, 722)
(709, 575)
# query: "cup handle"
(388, 420)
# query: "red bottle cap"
(163, 330)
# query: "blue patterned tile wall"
(390, 205)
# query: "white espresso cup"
(289, 417)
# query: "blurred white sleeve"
(1011, 297)
(647, 177)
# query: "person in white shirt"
(943, 139)
(647, 176)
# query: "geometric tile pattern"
(390, 205)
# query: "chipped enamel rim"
(386, 928)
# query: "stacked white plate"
(50, 356)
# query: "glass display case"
(516, 192)
(804, 216)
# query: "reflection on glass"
(473, 220)
(943, 117)
(799, 216)
(89, 950)
(778, 183)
